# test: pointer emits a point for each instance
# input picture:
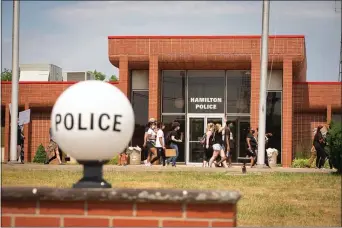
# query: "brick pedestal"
(46, 207)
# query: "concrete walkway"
(158, 168)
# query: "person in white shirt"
(150, 142)
(160, 144)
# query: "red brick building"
(201, 79)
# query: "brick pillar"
(27, 131)
(124, 78)
(287, 113)
(7, 132)
(255, 91)
(153, 89)
(328, 114)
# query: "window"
(275, 80)
(273, 121)
(206, 91)
(173, 92)
(139, 79)
(238, 91)
(140, 108)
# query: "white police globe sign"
(92, 120)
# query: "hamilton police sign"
(206, 104)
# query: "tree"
(334, 144)
(98, 75)
(113, 78)
(40, 155)
(6, 75)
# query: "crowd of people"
(155, 141)
(218, 142)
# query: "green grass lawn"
(272, 199)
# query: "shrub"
(113, 161)
(302, 162)
(334, 145)
(302, 154)
(299, 163)
(303, 149)
(40, 155)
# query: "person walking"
(313, 152)
(160, 144)
(228, 143)
(208, 143)
(52, 149)
(20, 144)
(252, 147)
(173, 141)
(267, 138)
(145, 150)
(318, 143)
(150, 142)
(218, 146)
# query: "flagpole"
(263, 83)
(15, 81)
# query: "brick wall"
(154, 89)
(313, 104)
(117, 208)
(40, 122)
(255, 91)
(40, 98)
(316, 95)
(303, 125)
(202, 48)
(287, 113)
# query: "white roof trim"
(36, 76)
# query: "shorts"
(51, 147)
(251, 152)
(217, 147)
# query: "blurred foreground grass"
(268, 199)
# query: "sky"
(74, 34)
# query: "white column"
(263, 83)
(15, 81)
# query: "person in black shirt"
(267, 138)
(319, 143)
(173, 141)
(20, 142)
(228, 143)
(252, 146)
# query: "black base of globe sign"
(92, 175)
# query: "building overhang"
(189, 50)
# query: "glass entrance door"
(197, 125)
(239, 133)
(196, 131)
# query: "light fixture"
(179, 103)
(92, 127)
